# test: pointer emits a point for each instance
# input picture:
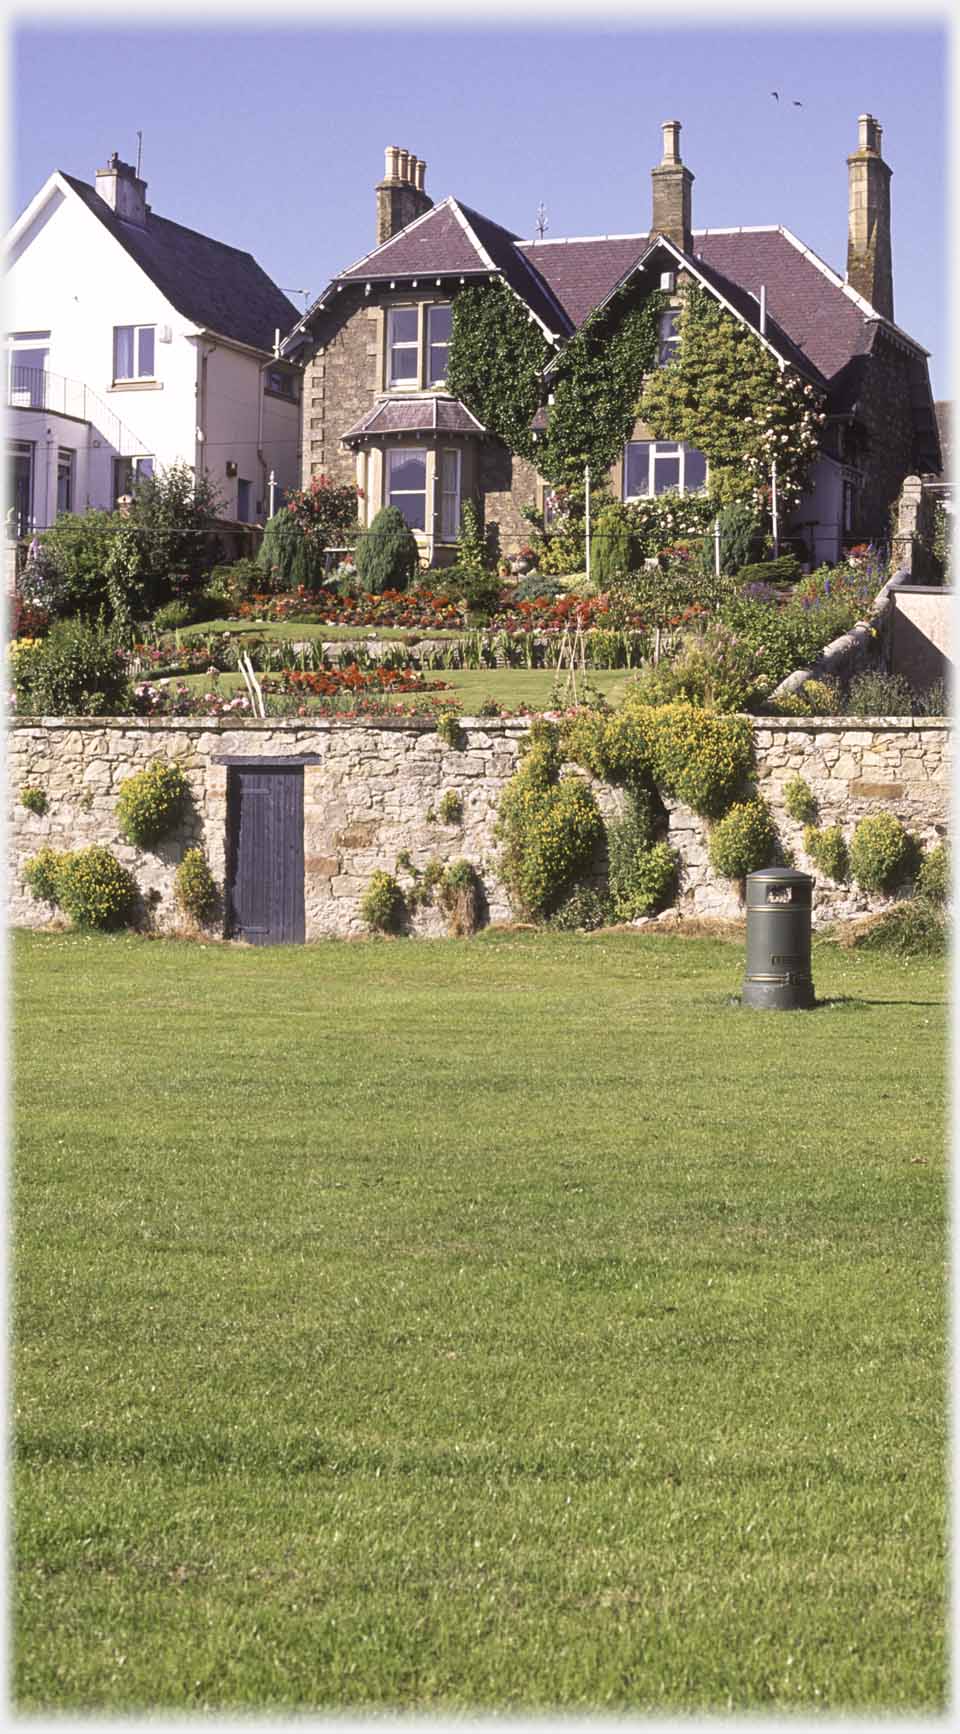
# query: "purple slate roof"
(211, 284)
(394, 415)
(581, 274)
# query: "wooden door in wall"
(265, 859)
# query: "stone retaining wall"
(374, 791)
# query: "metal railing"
(35, 388)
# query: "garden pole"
(273, 490)
(716, 545)
(586, 480)
(773, 510)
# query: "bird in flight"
(776, 95)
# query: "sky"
(273, 139)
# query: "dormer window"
(668, 342)
(133, 352)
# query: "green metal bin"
(779, 912)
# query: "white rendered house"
(133, 342)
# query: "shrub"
(880, 852)
(450, 807)
(480, 590)
(913, 928)
(33, 798)
(287, 557)
(471, 547)
(612, 545)
(77, 670)
(933, 878)
(874, 693)
(828, 851)
(459, 894)
(149, 803)
(718, 669)
(449, 730)
(741, 537)
(69, 572)
(93, 888)
(548, 827)
(743, 841)
(42, 876)
(387, 553)
(195, 890)
(800, 802)
(656, 683)
(934, 701)
(536, 587)
(642, 873)
(172, 616)
(583, 911)
(698, 757)
(382, 905)
(231, 585)
(784, 570)
(790, 637)
(815, 698)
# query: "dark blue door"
(265, 873)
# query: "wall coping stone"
(508, 727)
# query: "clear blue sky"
(273, 139)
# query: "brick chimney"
(400, 195)
(869, 265)
(671, 192)
(120, 187)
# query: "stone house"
(375, 343)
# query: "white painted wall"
(819, 516)
(67, 275)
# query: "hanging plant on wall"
(497, 355)
(726, 394)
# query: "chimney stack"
(121, 188)
(671, 192)
(401, 196)
(869, 261)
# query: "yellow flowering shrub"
(149, 803)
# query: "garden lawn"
(466, 687)
(514, 1322)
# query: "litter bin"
(779, 908)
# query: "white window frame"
(664, 450)
(411, 382)
(137, 466)
(66, 469)
(668, 336)
(433, 307)
(392, 495)
(420, 381)
(138, 373)
(446, 534)
(23, 449)
(31, 394)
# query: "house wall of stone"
(375, 787)
(339, 386)
(884, 410)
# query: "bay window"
(407, 485)
(661, 466)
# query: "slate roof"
(211, 284)
(433, 414)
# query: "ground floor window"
(449, 484)
(126, 471)
(65, 469)
(407, 485)
(20, 458)
(659, 466)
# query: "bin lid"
(780, 876)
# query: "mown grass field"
(466, 687)
(514, 1322)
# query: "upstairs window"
(439, 328)
(658, 466)
(403, 346)
(668, 337)
(282, 383)
(133, 352)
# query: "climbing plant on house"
(727, 395)
(595, 387)
(496, 358)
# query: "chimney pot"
(671, 142)
(390, 156)
(403, 167)
(419, 174)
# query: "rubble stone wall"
(372, 791)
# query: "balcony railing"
(35, 388)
